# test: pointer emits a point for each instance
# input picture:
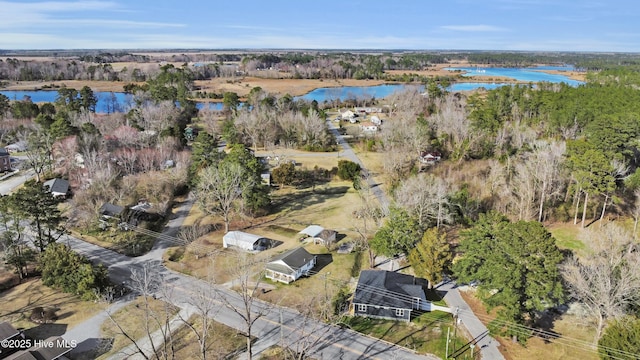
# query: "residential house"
(290, 266)
(389, 295)
(430, 157)
(52, 348)
(245, 241)
(16, 147)
(111, 211)
(7, 332)
(320, 235)
(369, 127)
(5, 160)
(376, 120)
(57, 187)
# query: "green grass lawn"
(566, 236)
(425, 334)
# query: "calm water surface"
(118, 101)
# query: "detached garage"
(245, 241)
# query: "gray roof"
(294, 259)
(3, 152)
(7, 331)
(312, 230)
(387, 288)
(57, 186)
(111, 210)
(58, 349)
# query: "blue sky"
(554, 25)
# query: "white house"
(290, 266)
(369, 127)
(16, 147)
(376, 120)
(245, 241)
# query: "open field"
(329, 205)
(574, 343)
(19, 302)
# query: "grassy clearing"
(132, 318)
(574, 342)
(221, 341)
(330, 206)
(567, 236)
(18, 304)
(425, 334)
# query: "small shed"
(290, 266)
(245, 241)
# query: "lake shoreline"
(294, 87)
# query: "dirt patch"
(65, 310)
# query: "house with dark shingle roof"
(388, 295)
(5, 160)
(291, 265)
(57, 187)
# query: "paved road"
(323, 341)
(487, 346)
(348, 152)
(327, 341)
(7, 185)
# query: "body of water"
(353, 92)
(119, 101)
(520, 74)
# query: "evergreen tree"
(621, 340)
(432, 256)
(397, 235)
(516, 265)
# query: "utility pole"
(455, 329)
(446, 354)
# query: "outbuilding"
(245, 241)
(320, 235)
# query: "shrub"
(348, 170)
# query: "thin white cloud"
(473, 28)
(9, 7)
(569, 18)
(30, 16)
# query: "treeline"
(291, 64)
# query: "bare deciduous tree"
(247, 275)
(426, 197)
(371, 214)
(219, 189)
(607, 282)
